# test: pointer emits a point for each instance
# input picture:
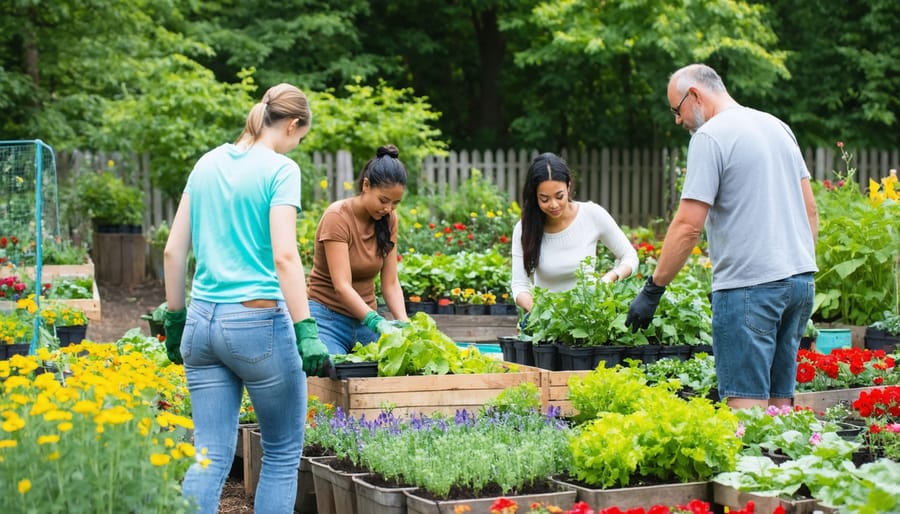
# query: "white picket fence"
(635, 185)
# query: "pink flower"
(815, 439)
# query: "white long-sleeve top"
(562, 252)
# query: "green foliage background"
(172, 79)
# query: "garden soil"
(121, 309)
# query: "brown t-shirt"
(339, 224)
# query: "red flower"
(806, 372)
(878, 381)
(3, 242)
(431, 226)
(503, 239)
(840, 144)
(502, 504)
(471, 236)
(14, 240)
(443, 302)
(399, 257)
(580, 508)
(828, 185)
(459, 226)
(447, 230)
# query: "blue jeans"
(226, 347)
(756, 334)
(339, 332)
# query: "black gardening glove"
(643, 307)
(174, 325)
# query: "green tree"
(314, 45)
(844, 59)
(366, 117)
(600, 69)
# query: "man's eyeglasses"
(677, 109)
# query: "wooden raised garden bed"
(90, 306)
(419, 394)
(821, 400)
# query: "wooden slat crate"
(821, 400)
(90, 306)
(475, 328)
(733, 499)
(424, 394)
(555, 390)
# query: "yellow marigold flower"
(24, 486)
(110, 163)
(696, 251)
(16, 381)
(65, 426)
(204, 463)
(13, 423)
(57, 415)
(116, 415)
(43, 354)
(144, 426)
(413, 211)
(21, 399)
(176, 454)
(348, 185)
(438, 235)
(473, 214)
(159, 459)
(53, 456)
(169, 443)
(48, 439)
(8, 443)
(412, 250)
(4, 369)
(417, 225)
(187, 449)
(85, 407)
(323, 184)
(489, 214)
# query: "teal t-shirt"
(231, 192)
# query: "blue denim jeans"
(339, 332)
(756, 334)
(225, 348)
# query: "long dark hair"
(383, 170)
(547, 166)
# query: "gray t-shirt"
(747, 165)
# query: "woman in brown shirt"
(355, 242)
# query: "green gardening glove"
(174, 326)
(379, 325)
(313, 352)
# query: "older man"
(747, 182)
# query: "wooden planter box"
(555, 390)
(732, 498)
(252, 447)
(120, 258)
(90, 306)
(821, 400)
(423, 394)
(474, 328)
(642, 496)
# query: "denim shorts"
(339, 332)
(756, 334)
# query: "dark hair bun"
(388, 150)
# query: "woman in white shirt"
(556, 233)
